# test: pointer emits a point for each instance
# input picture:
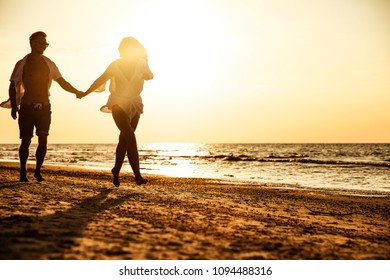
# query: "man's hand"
(13, 113)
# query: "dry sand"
(79, 214)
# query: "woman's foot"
(115, 179)
(140, 181)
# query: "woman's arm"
(99, 83)
(146, 72)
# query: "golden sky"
(225, 70)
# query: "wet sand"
(79, 214)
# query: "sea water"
(350, 168)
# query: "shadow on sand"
(34, 237)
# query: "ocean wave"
(303, 159)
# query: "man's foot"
(140, 181)
(23, 178)
(39, 177)
(115, 179)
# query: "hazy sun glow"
(183, 44)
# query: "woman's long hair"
(132, 48)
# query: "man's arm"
(12, 97)
(68, 87)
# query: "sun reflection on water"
(176, 159)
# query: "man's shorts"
(32, 115)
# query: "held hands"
(80, 94)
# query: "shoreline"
(225, 180)
(78, 214)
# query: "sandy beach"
(79, 214)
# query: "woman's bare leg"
(127, 136)
(120, 154)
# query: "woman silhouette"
(127, 75)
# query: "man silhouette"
(29, 97)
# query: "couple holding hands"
(29, 98)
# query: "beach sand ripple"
(79, 214)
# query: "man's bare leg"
(40, 156)
(23, 156)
